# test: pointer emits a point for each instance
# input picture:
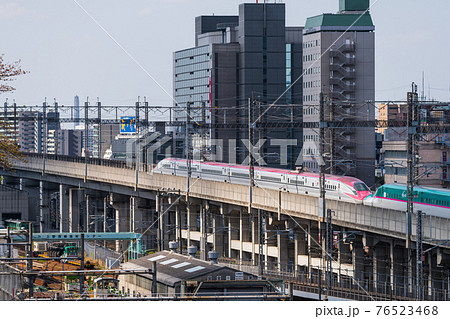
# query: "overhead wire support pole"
(86, 138)
(137, 146)
(57, 127)
(329, 249)
(44, 137)
(419, 255)
(188, 168)
(99, 127)
(412, 133)
(146, 126)
(15, 123)
(251, 170)
(322, 201)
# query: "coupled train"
(431, 201)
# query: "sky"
(127, 51)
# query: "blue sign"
(128, 124)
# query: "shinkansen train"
(431, 201)
(342, 188)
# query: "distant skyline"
(68, 54)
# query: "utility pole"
(411, 158)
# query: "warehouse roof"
(172, 268)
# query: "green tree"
(9, 150)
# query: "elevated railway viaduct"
(280, 235)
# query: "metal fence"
(10, 285)
(104, 256)
(347, 287)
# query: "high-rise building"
(70, 142)
(252, 55)
(31, 131)
(339, 62)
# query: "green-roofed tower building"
(339, 61)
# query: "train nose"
(364, 194)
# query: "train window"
(361, 187)
(211, 171)
(270, 179)
(239, 175)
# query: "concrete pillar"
(230, 235)
(282, 245)
(179, 227)
(218, 234)
(204, 208)
(63, 208)
(344, 256)
(379, 266)
(429, 282)
(136, 214)
(266, 244)
(74, 210)
(310, 247)
(158, 210)
(88, 215)
(43, 208)
(163, 223)
(391, 265)
(358, 261)
(96, 220)
(121, 206)
(190, 224)
(255, 236)
(241, 235)
(300, 244)
(105, 214)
